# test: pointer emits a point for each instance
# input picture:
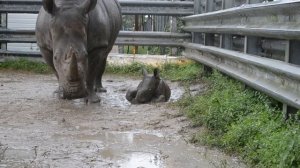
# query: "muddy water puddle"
(38, 130)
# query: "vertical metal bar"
(197, 37)
(209, 38)
(136, 28)
(3, 23)
(287, 52)
(173, 30)
(251, 45)
(226, 39)
(292, 53)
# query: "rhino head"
(68, 31)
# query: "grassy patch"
(25, 65)
(177, 72)
(244, 121)
(187, 71)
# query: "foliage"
(25, 65)
(244, 121)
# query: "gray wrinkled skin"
(150, 89)
(75, 37)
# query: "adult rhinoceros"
(75, 37)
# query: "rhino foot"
(58, 92)
(92, 98)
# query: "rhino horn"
(73, 73)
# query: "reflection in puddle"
(142, 160)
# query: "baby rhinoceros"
(150, 89)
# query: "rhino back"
(105, 21)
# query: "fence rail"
(277, 20)
(125, 38)
(133, 7)
(257, 28)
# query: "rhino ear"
(88, 5)
(156, 73)
(49, 6)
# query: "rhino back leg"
(98, 82)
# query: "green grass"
(176, 72)
(25, 65)
(244, 122)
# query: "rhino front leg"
(94, 64)
(48, 57)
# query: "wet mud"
(39, 130)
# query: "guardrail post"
(3, 23)
(173, 30)
(226, 39)
(208, 37)
(292, 53)
(197, 37)
(251, 44)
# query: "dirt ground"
(39, 130)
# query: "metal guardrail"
(124, 38)
(279, 21)
(278, 79)
(132, 7)
(276, 20)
